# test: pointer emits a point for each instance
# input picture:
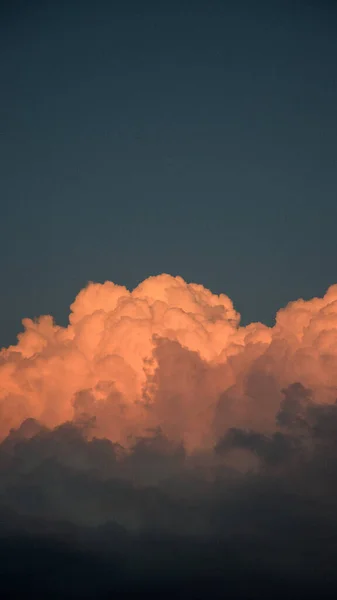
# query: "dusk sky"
(192, 138)
(165, 168)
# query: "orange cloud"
(168, 354)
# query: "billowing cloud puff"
(168, 354)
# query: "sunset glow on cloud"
(168, 354)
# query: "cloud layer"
(155, 421)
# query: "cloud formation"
(155, 421)
(168, 354)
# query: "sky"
(165, 168)
(146, 137)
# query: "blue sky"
(196, 139)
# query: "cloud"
(167, 354)
(154, 519)
(156, 435)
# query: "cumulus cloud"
(167, 354)
(155, 421)
(106, 360)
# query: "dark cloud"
(84, 517)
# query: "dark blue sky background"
(194, 138)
